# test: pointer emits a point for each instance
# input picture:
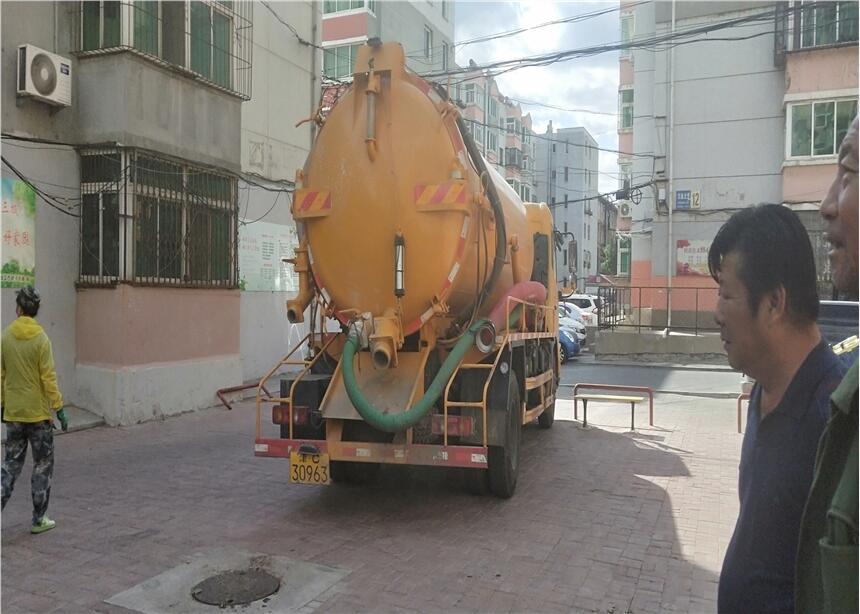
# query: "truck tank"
(397, 218)
(440, 276)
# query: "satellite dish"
(43, 74)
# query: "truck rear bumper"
(473, 457)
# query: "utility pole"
(670, 253)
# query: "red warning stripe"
(307, 203)
(451, 192)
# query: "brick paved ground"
(603, 520)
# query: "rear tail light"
(459, 426)
(281, 415)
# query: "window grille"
(148, 219)
(207, 40)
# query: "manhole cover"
(236, 587)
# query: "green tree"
(608, 264)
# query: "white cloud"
(587, 83)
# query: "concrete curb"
(658, 365)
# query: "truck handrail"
(286, 361)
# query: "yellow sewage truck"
(443, 284)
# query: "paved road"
(584, 369)
(604, 520)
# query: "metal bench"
(611, 398)
(744, 396)
(577, 396)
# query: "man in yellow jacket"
(29, 384)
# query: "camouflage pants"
(41, 438)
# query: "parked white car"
(587, 304)
(570, 319)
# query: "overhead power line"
(295, 32)
(685, 36)
(564, 20)
(603, 195)
(551, 140)
(244, 176)
(418, 53)
(532, 103)
(49, 200)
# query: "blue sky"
(588, 83)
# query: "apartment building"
(145, 183)
(750, 113)
(425, 29)
(566, 179)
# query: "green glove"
(64, 422)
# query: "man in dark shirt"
(767, 311)
(827, 556)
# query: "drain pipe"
(670, 253)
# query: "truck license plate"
(309, 468)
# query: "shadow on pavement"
(586, 514)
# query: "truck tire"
(546, 419)
(503, 462)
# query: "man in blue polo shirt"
(767, 309)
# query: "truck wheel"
(503, 462)
(546, 419)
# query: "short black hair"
(774, 250)
(28, 299)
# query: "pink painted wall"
(807, 183)
(625, 75)
(685, 295)
(132, 325)
(640, 275)
(823, 69)
(625, 141)
(346, 26)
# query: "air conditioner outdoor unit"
(624, 209)
(44, 76)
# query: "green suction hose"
(394, 423)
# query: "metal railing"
(647, 307)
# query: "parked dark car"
(838, 319)
(568, 345)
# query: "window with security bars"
(147, 219)
(827, 23)
(210, 40)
